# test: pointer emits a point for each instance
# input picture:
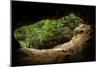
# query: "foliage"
(47, 33)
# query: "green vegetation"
(47, 33)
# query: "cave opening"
(26, 16)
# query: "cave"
(27, 13)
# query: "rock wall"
(72, 51)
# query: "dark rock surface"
(79, 48)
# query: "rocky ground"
(80, 48)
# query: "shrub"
(47, 33)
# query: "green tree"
(47, 33)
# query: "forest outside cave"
(47, 33)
